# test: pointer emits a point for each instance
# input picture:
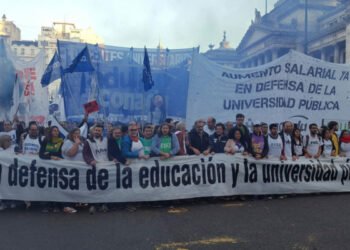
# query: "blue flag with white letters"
(147, 76)
(82, 63)
(53, 71)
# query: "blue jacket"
(126, 148)
(175, 147)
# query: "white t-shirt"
(137, 147)
(99, 149)
(287, 145)
(238, 148)
(275, 146)
(209, 131)
(12, 134)
(345, 148)
(298, 148)
(10, 150)
(313, 143)
(31, 146)
(67, 145)
(327, 147)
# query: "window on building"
(22, 51)
(15, 50)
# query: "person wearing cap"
(258, 144)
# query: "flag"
(91, 107)
(53, 70)
(147, 76)
(62, 131)
(15, 97)
(84, 129)
(82, 63)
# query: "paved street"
(302, 222)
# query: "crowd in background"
(124, 142)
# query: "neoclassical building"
(283, 28)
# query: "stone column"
(267, 57)
(323, 54)
(336, 53)
(260, 62)
(274, 54)
(347, 43)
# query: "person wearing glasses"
(132, 146)
(30, 141)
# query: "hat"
(256, 124)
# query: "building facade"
(327, 35)
(9, 31)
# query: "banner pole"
(143, 108)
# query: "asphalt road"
(301, 222)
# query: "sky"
(175, 23)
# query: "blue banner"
(118, 80)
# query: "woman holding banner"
(165, 144)
(73, 146)
(236, 142)
(51, 147)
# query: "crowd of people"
(122, 143)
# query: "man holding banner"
(96, 149)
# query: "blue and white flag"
(147, 75)
(53, 71)
(82, 63)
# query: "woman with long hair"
(165, 144)
(51, 147)
(328, 148)
(236, 143)
(297, 142)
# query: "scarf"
(135, 139)
(345, 139)
(55, 145)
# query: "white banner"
(295, 87)
(29, 178)
(34, 97)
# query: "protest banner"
(24, 177)
(119, 75)
(294, 87)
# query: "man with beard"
(333, 128)
(95, 148)
(198, 139)
(30, 142)
(265, 129)
(286, 136)
(240, 125)
(313, 143)
(275, 143)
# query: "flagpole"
(143, 108)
